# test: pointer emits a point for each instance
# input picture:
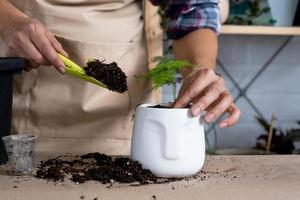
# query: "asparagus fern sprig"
(164, 73)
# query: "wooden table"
(227, 177)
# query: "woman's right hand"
(28, 38)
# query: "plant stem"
(174, 91)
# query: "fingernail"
(223, 124)
(66, 54)
(196, 111)
(209, 117)
(62, 70)
(61, 65)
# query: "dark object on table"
(297, 16)
(8, 68)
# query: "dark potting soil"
(163, 106)
(97, 167)
(168, 105)
(110, 170)
(160, 106)
(109, 74)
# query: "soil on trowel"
(97, 167)
(109, 74)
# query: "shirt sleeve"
(185, 16)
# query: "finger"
(203, 78)
(220, 106)
(210, 94)
(45, 47)
(15, 51)
(57, 45)
(10, 52)
(234, 116)
(32, 53)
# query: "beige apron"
(71, 115)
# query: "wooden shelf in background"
(259, 30)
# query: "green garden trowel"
(75, 70)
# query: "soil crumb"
(97, 167)
(109, 74)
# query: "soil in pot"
(160, 106)
(167, 106)
(109, 74)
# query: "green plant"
(164, 73)
(161, 13)
(282, 141)
(249, 12)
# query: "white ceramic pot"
(168, 142)
(283, 11)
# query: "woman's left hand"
(206, 91)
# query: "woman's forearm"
(7, 13)
(198, 47)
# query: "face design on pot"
(173, 140)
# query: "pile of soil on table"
(98, 167)
(109, 74)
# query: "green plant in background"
(164, 73)
(168, 47)
(161, 13)
(249, 12)
(163, 19)
(282, 140)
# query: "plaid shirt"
(184, 16)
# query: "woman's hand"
(28, 38)
(206, 91)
